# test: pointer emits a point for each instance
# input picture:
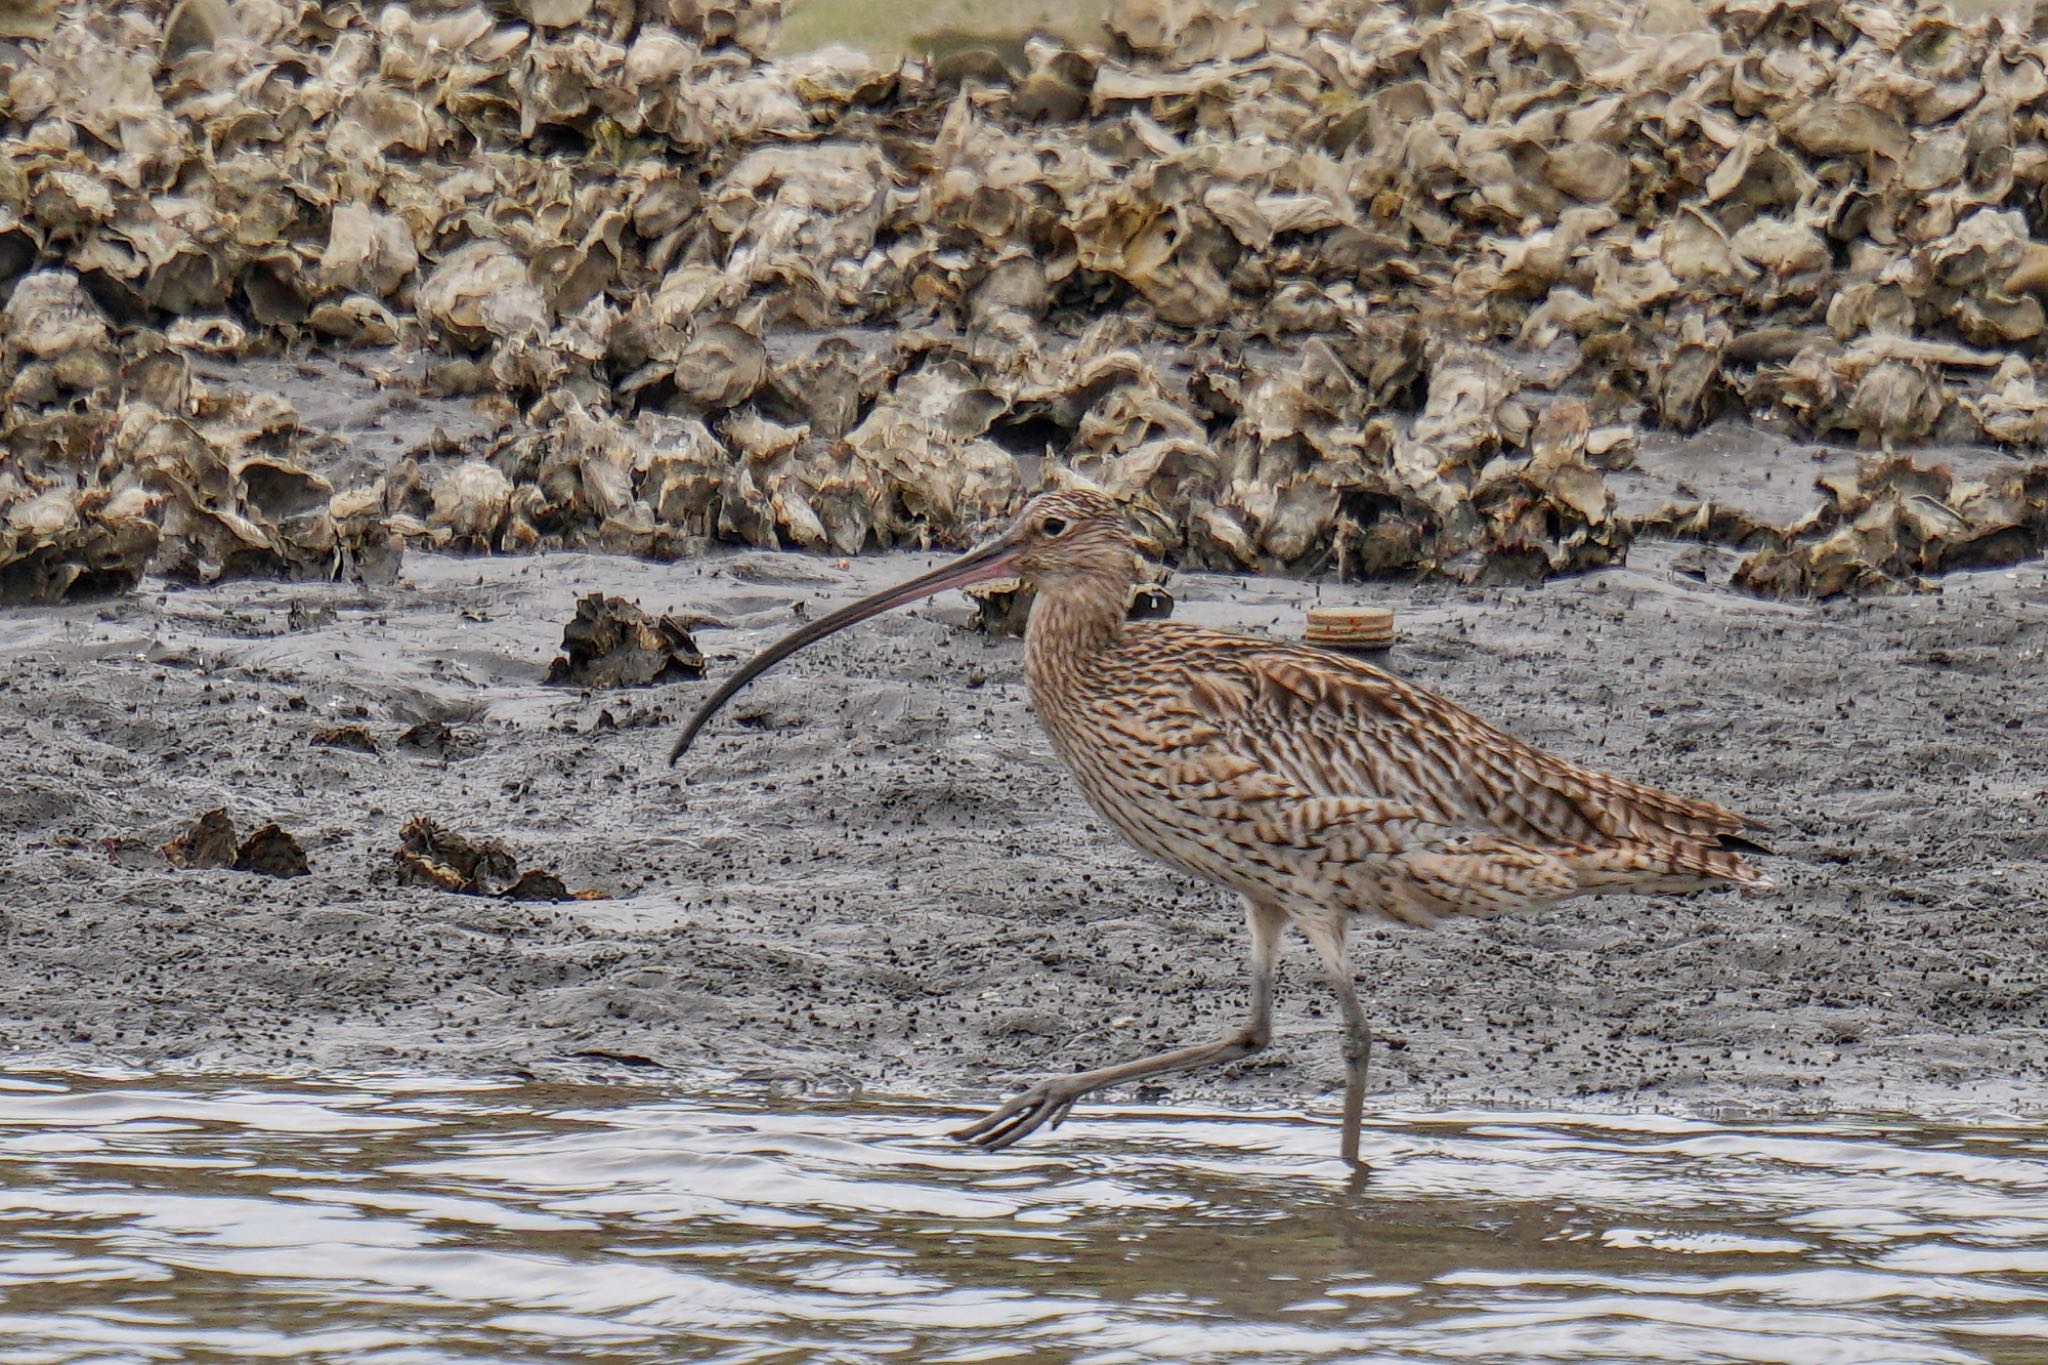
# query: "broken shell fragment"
(720, 367)
(1896, 520)
(612, 643)
(271, 851)
(59, 544)
(480, 291)
(208, 842)
(430, 854)
(368, 252)
(211, 335)
(471, 502)
(357, 320)
(49, 314)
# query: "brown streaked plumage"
(1318, 788)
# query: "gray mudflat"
(872, 873)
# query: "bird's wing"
(1332, 727)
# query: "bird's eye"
(1052, 526)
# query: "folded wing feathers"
(1335, 727)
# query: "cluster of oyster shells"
(1351, 286)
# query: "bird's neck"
(1072, 620)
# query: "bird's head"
(1074, 534)
(1071, 539)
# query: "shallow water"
(423, 1220)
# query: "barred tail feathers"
(1668, 866)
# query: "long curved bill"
(997, 559)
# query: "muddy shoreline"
(874, 877)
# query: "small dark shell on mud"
(210, 841)
(431, 855)
(613, 643)
(271, 851)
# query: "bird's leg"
(1046, 1103)
(1328, 938)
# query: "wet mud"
(872, 876)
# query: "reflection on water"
(412, 1221)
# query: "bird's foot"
(1042, 1106)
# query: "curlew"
(1319, 789)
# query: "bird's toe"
(1043, 1105)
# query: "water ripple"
(411, 1220)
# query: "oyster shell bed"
(1360, 287)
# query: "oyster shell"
(1355, 286)
(613, 643)
(481, 291)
